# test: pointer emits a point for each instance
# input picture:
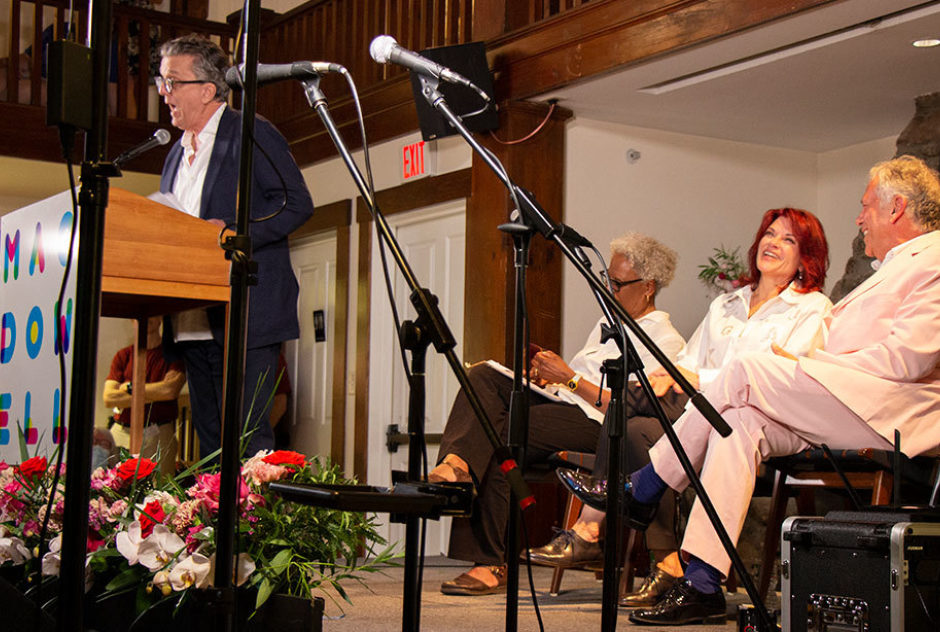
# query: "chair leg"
(556, 581)
(881, 488)
(806, 502)
(572, 511)
(632, 549)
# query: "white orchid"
(12, 549)
(161, 581)
(53, 559)
(128, 542)
(191, 571)
(244, 567)
(159, 548)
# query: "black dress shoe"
(657, 584)
(593, 493)
(566, 550)
(684, 604)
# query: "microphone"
(160, 137)
(385, 49)
(269, 73)
(572, 237)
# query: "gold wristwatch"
(572, 384)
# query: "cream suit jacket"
(884, 345)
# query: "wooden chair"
(634, 548)
(804, 472)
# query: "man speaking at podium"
(201, 172)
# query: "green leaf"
(129, 577)
(280, 561)
(264, 591)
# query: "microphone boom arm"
(421, 298)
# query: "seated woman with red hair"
(779, 307)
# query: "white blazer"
(884, 345)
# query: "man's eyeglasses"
(166, 84)
(616, 285)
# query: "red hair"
(810, 237)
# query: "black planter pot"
(200, 612)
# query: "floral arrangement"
(155, 537)
(724, 272)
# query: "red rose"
(152, 514)
(34, 467)
(143, 468)
(285, 457)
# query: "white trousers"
(774, 409)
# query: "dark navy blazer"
(272, 308)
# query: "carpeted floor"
(576, 609)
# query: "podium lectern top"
(158, 260)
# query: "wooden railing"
(138, 34)
(340, 31)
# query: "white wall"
(691, 193)
(843, 176)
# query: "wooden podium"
(157, 260)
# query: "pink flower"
(185, 514)
(259, 470)
(207, 489)
(102, 478)
(118, 507)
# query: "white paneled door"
(310, 358)
(433, 241)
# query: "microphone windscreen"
(381, 48)
(162, 136)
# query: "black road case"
(860, 573)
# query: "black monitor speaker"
(470, 61)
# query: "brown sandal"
(467, 585)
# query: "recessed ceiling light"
(926, 43)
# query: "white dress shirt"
(589, 359)
(187, 188)
(793, 320)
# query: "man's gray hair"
(912, 179)
(650, 259)
(209, 60)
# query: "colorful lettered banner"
(35, 329)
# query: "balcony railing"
(138, 34)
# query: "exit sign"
(417, 160)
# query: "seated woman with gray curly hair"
(639, 268)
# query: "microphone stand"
(435, 327)
(518, 414)
(545, 225)
(222, 598)
(616, 371)
(93, 200)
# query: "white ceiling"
(823, 80)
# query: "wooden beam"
(606, 36)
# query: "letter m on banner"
(11, 256)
